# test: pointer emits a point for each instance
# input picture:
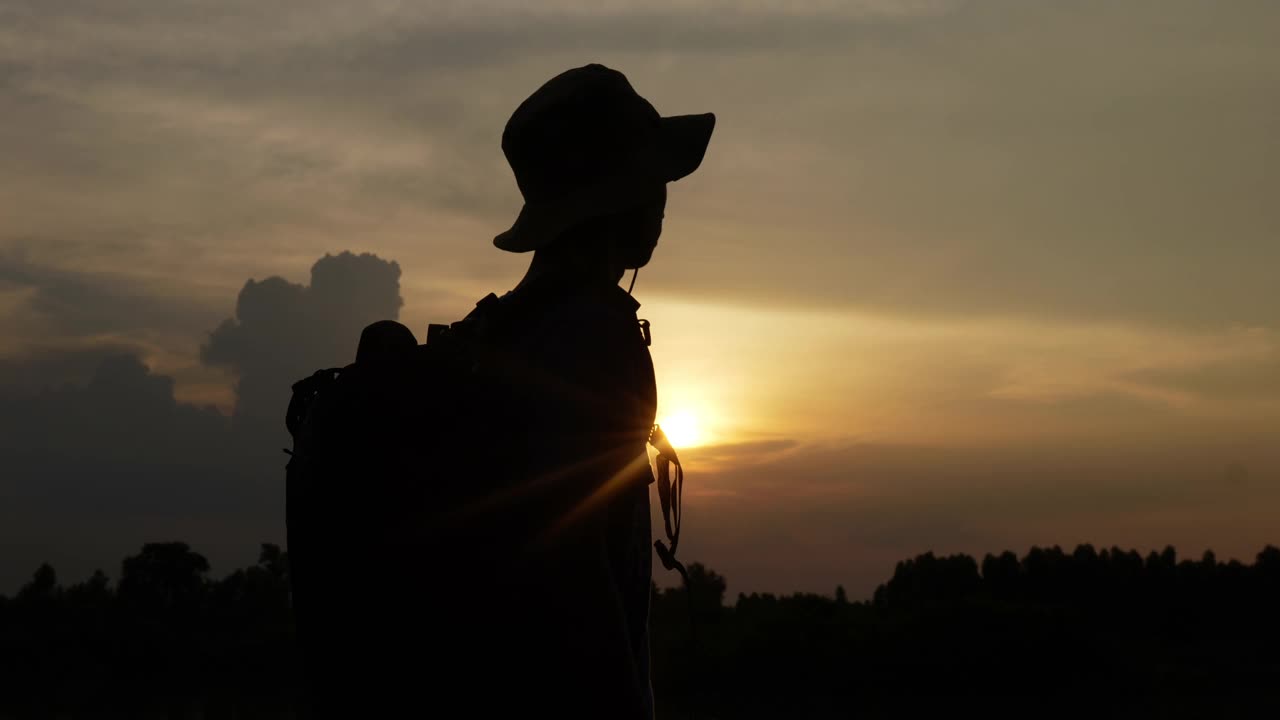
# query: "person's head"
(615, 242)
(592, 159)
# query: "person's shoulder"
(609, 306)
(561, 310)
(593, 325)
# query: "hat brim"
(678, 148)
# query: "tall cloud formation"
(98, 455)
(282, 331)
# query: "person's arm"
(594, 442)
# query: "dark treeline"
(1052, 633)
(1085, 633)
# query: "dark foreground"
(1051, 634)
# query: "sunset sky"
(959, 276)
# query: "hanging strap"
(670, 493)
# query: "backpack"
(384, 449)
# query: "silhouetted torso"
(532, 596)
(584, 401)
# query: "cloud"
(738, 452)
(445, 30)
(283, 331)
(93, 468)
(820, 515)
(1251, 378)
(926, 159)
(59, 303)
(52, 367)
(99, 455)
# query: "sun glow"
(682, 429)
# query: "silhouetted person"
(483, 541)
(592, 159)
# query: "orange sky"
(955, 275)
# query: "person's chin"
(640, 261)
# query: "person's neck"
(580, 269)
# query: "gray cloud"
(91, 470)
(443, 32)
(99, 456)
(53, 367)
(995, 157)
(283, 332)
(65, 303)
(1251, 378)
(819, 516)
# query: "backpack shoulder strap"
(492, 315)
(481, 315)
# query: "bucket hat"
(586, 144)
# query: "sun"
(682, 429)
